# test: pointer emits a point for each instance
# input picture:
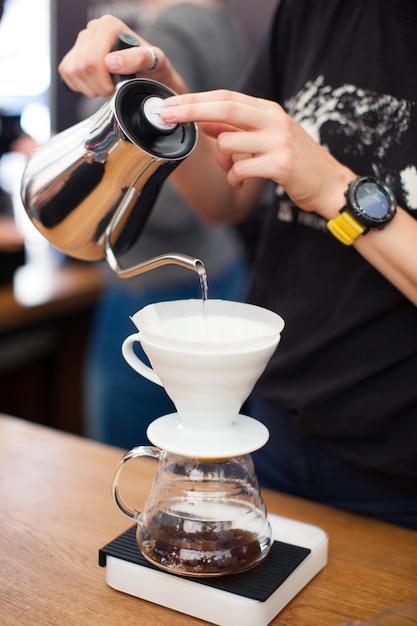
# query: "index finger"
(219, 107)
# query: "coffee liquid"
(195, 548)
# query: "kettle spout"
(172, 258)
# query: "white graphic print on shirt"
(371, 124)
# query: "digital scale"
(251, 598)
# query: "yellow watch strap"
(345, 228)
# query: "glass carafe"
(203, 517)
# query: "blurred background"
(46, 300)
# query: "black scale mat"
(256, 584)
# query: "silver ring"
(155, 59)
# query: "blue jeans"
(293, 464)
(119, 404)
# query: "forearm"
(392, 251)
(204, 185)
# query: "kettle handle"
(124, 40)
(150, 451)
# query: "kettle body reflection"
(203, 517)
(90, 189)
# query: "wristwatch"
(369, 204)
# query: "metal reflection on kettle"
(91, 188)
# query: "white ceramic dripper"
(208, 357)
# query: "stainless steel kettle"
(90, 189)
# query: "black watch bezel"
(359, 212)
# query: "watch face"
(372, 202)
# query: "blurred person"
(10, 238)
(12, 139)
(209, 50)
(12, 243)
(329, 115)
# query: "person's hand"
(88, 66)
(257, 139)
(25, 144)
(10, 238)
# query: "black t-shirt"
(347, 363)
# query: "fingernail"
(172, 100)
(114, 62)
(168, 115)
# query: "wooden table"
(57, 511)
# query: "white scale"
(251, 598)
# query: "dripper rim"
(266, 341)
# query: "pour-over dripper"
(208, 357)
(205, 515)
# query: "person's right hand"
(88, 66)
(257, 139)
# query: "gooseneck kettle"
(90, 189)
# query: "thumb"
(132, 60)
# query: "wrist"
(335, 197)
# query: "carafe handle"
(150, 451)
(136, 363)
